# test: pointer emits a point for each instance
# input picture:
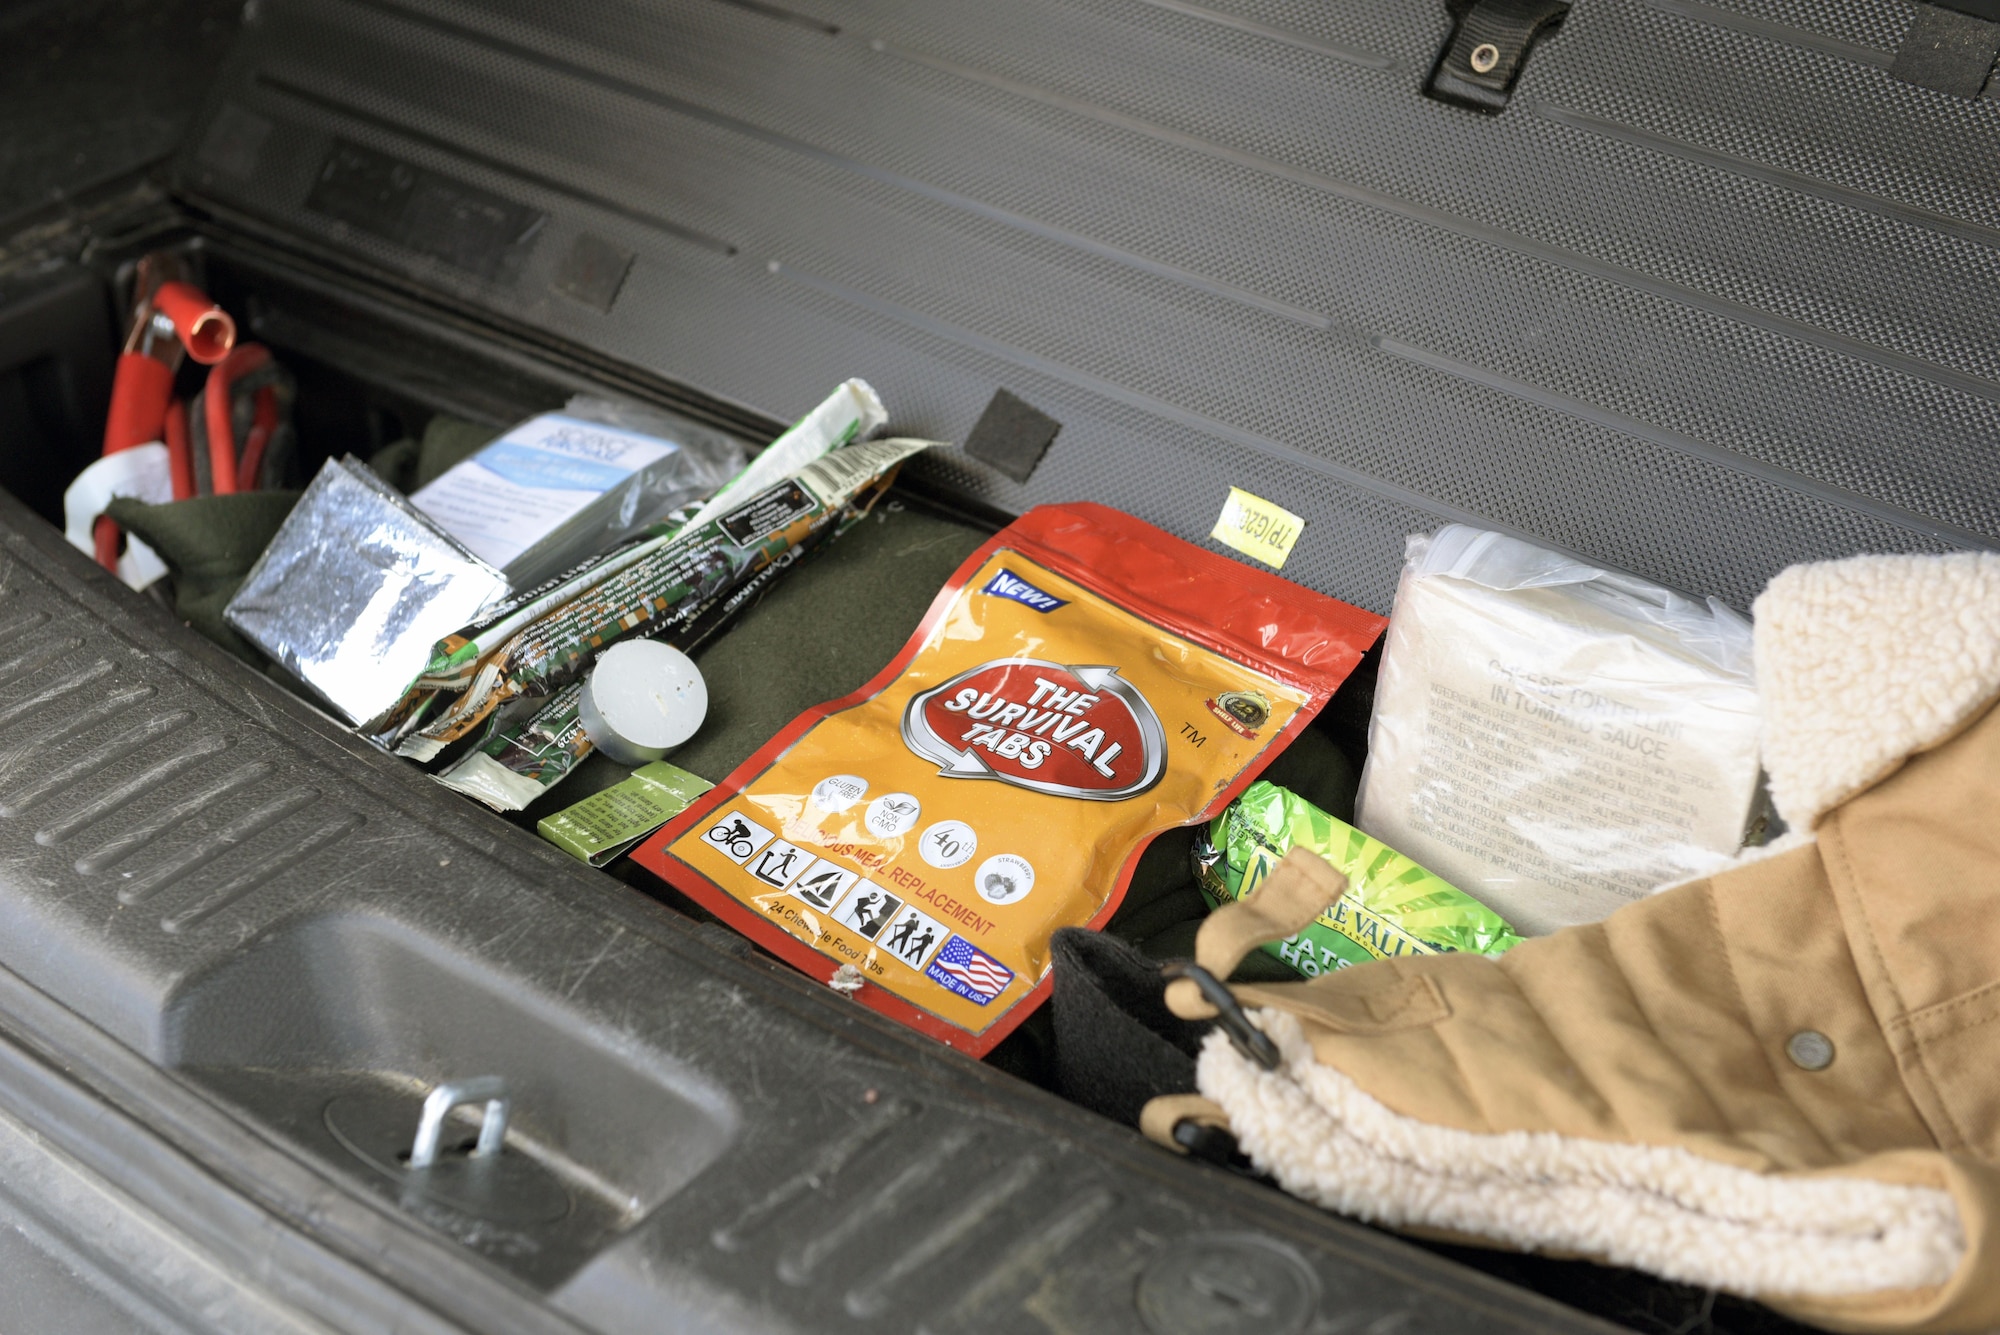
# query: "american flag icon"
(969, 971)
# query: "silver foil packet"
(355, 589)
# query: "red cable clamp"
(204, 328)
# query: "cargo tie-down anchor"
(1489, 43)
(477, 1180)
(438, 1106)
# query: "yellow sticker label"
(1257, 528)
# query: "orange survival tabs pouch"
(1083, 682)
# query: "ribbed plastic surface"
(1715, 294)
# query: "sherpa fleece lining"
(1658, 1208)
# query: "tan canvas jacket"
(1782, 1080)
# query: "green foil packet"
(605, 824)
(1392, 906)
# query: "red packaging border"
(1124, 561)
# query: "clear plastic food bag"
(1556, 739)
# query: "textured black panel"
(1984, 9)
(1712, 295)
(1011, 435)
(423, 211)
(593, 271)
(1948, 51)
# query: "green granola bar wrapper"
(1392, 906)
(604, 825)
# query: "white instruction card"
(512, 494)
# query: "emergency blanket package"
(1555, 739)
(355, 588)
(1392, 907)
(1083, 682)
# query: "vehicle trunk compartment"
(237, 945)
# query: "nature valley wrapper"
(1083, 682)
(1392, 906)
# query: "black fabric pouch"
(1117, 1045)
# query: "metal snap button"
(1810, 1050)
(1484, 57)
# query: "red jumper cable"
(226, 472)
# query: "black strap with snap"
(1489, 44)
